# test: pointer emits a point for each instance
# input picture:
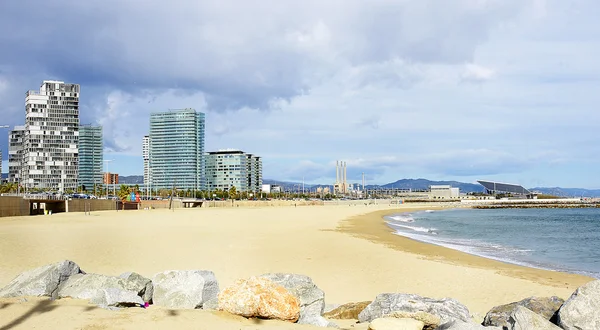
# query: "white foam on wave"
(415, 228)
(429, 211)
(402, 218)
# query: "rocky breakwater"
(295, 298)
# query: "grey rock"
(113, 297)
(212, 304)
(101, 290)
(524, 319)
(446, 309)
(312, 299)
(142, 285)
(580, 311)
(543, 306)
(462, 325)
(41, 281)
(187, 289)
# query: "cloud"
(397, 88)
(477, 74)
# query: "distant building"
(51, 137)
(146, 157)
(233, 168)
(271, 188)
(110, 178)
(443, 192)
(176, 150)
(90, 157)
(15, 154)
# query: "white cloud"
(477, 73)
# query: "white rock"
(187, 289)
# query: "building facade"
(90, 157)
(15, 154)
(233, 168)
(146, 157)
(50, 142)
(110, 178)
(176, 150)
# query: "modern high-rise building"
(15, 154)
(51, 137)
(146, 157)
(176, 150)
(233, 168)
(90, 157)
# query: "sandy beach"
(348, 251)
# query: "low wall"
(163, 204)
(13, 206)
(79, 205)
(274, 202)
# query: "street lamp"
(108, 175)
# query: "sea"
(566, 240)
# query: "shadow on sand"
(42, 306)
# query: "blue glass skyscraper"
(176, 150)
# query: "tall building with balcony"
(15, 154)
(146, 157)
(90, 157)
(233, 168)
(50, 143)
(176, 150)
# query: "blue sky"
(461, 89)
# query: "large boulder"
(102, 290)
(186, 289)
(546, 307)
(41, 281)
(430, 321)
(392, 323)
(260, 297)
(347, 311)
(312, 299)
(113, 297)
(580, 311)
(140, 284)
(462, 325)
(386, 303)
(524, 319)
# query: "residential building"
(176, 150)
(50, 152)
(90, 157)
(15, 154)
(146, 157)
(110, 178)
(233, 168)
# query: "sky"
(504, 90)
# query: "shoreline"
(372, 227)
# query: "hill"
(131, 179)
(568, 192)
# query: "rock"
(543, 306)
(103, 290)
(329, 307)
(430, 321)
(392, 323)
(113, 297)
(41, 281)
(142, 285)
(347, 311)
(188, 289)
(580, 311)
(312, 299)
(524, 319)
(462, 325)
(260, 297)
(212, 304)
(446, 309)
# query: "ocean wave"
(402, 218)
(415, 228)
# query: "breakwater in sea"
(509, 205)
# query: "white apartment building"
(233, 168)
(50, 140)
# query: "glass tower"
(233, 168)
(176, 145)
(90, 157)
